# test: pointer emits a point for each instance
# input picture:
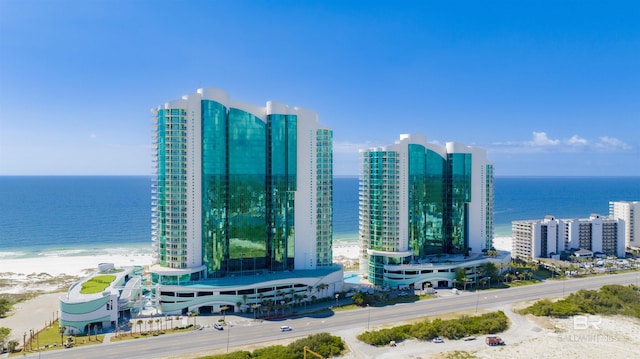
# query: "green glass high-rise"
(240, 190)
(418, 199)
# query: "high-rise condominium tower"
(419, 199)
(239, 189)
(629, 212)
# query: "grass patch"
(97, 284)
(50, 339)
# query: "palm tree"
(158, 324)
(223, 309)
(150, 321)
(62, 329)
(244, 299)
(465, 280)
(139, 322)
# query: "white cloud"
(542, 143)
(541, 139)
(606, 143)
(576, 140)
(352, 147)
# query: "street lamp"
(337, 296)
(368, 316)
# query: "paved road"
(244, 332)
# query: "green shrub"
(453, 329)
(609, 300)
(323, 343)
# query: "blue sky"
(548, 88)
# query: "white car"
(437, 340)
(285, 328)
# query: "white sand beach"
(18, 275)
(503, 243)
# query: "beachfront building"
(549, 237)
(242, 205)
(420, 205)
(629, 212)
(102, 300)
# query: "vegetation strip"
(609, 300)
(488, 323)
(323, 343)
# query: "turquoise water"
(92, 215)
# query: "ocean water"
(42, 215)
(516, 198)
(94, 215)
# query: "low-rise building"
(549, 237)
(81, 311)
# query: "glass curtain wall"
(281, 187)
(215, 189)
(426, 198)
(458, 197)
(249, 171)
(247, 217)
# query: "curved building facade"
(418, 199)
(240, 190)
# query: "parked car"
(494, 340)
(437, 340)
(285, 328)
(218, 326)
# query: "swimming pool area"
(352, 278)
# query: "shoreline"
(76, 250)
(20, 273)
(76, 261)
